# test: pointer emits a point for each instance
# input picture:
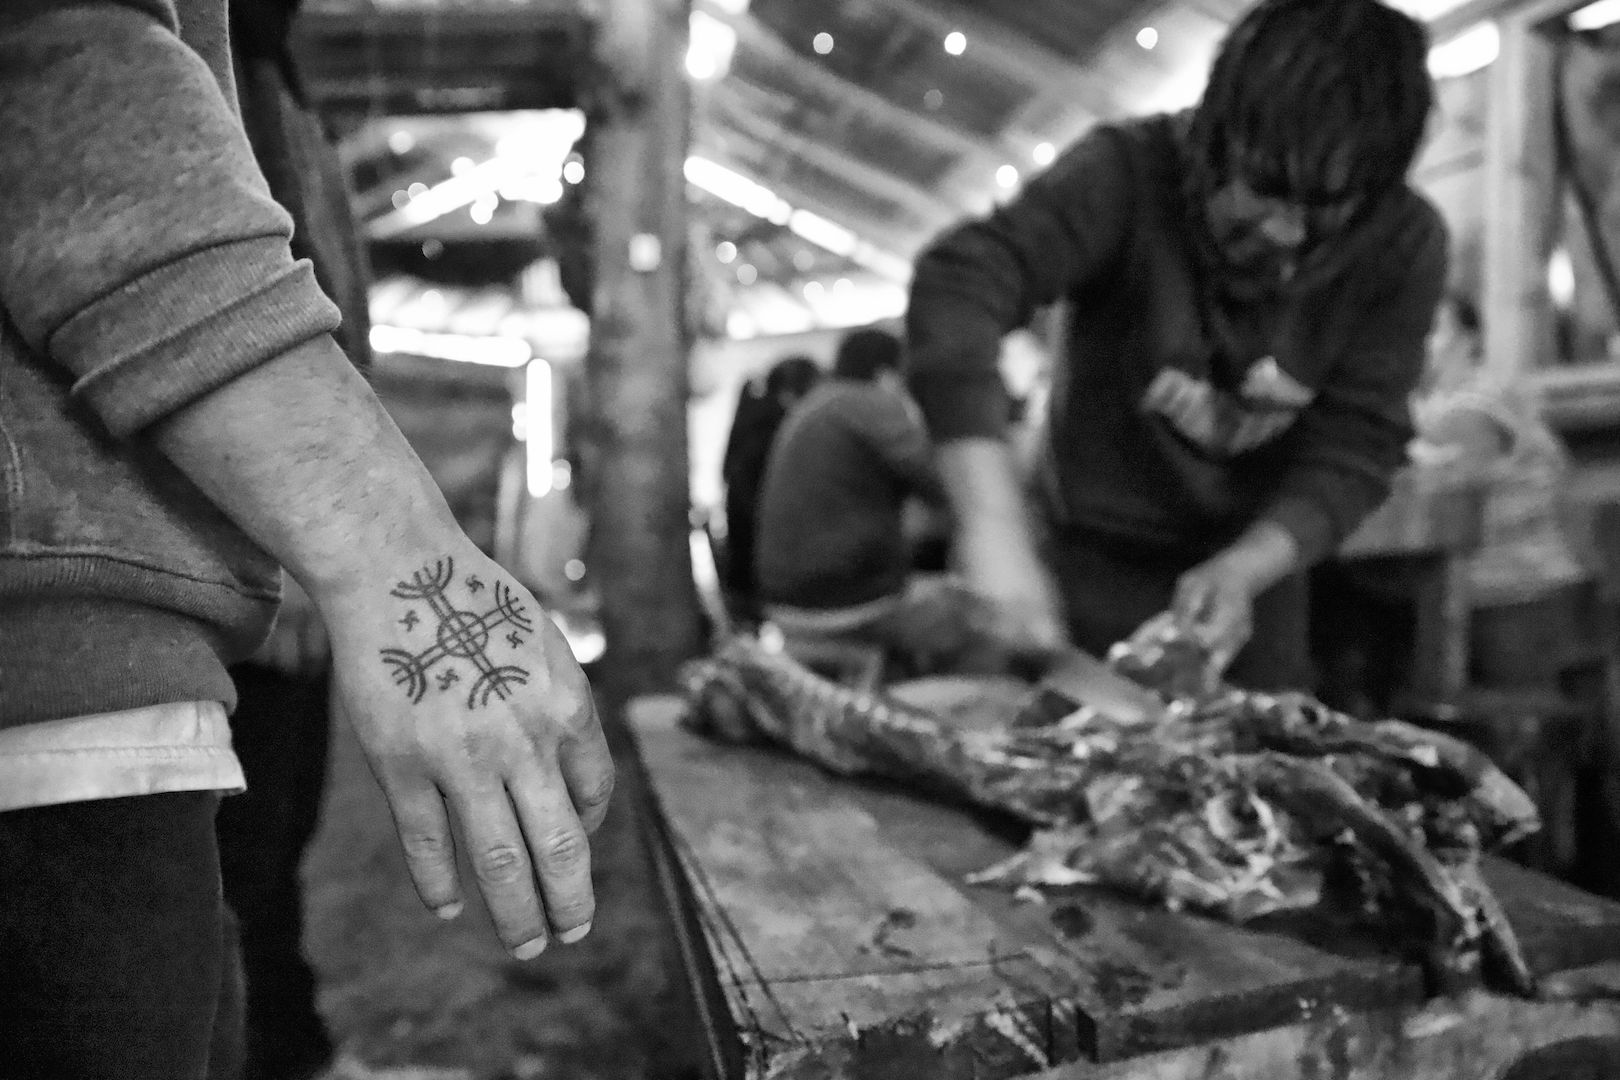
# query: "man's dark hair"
(865, 354)
(1298, 82)
(793, 376)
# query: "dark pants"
(281, 731)
(114, 944)
(1110, 590)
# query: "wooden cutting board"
(843, 941)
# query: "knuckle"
(423, 847)
(602, 790)
(501, 865)
(564, 849)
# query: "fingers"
(562, 855)
(498, 851)
(587, 769)
(424, 833)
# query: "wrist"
(1264, 555)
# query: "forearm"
(301, 455)
(980, 481)
(1263, 555)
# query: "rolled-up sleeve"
(144, 254)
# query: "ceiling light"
(822, 43)
(401, 141)
(573, 171)
(461, 165)
(417, 190)
(956, 43)
(731, 7)
(725, 251)
(1044, 154)
(1595, 16)
(399, 199)
(814, 291)
(803, 260)
(483, 209)
(747, 274)
(843, 285)
(1466, 53)
(934, 99)
(1147, 37)
(1007, 176)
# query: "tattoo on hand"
(461, 637)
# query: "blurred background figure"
(833, 557)
(761, 407)
(1480, 430)
(1524, 578)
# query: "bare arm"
(995, 546)
(460, 688)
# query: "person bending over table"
(1248, 287)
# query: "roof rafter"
(879, 182)
(755, 35)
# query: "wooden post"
(1521, 197)
(638, 113)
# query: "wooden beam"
(756, 36)
(1521, 190)
(883, 235)
(638, 123)
(1044, 70)
(1520, 11)
(880, 183)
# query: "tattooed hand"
(466, 697)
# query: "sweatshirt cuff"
(189, 327)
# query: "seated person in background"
(831, 555)
(1521, 579)
(1471, 429)
(760, 412)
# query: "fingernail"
(568, 937)
(450, 910)
(530, 949)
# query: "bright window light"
(540, 447)
(1595, 16)
(1466, 53)
(495, 351)
(709, 47)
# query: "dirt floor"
(399, 988)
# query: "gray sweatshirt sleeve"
(143, 253)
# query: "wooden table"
(831, 935)
(1423, 534)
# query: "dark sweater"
(838, 476)
(145, 265)
(1179, 417)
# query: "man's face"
(1263, 226)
